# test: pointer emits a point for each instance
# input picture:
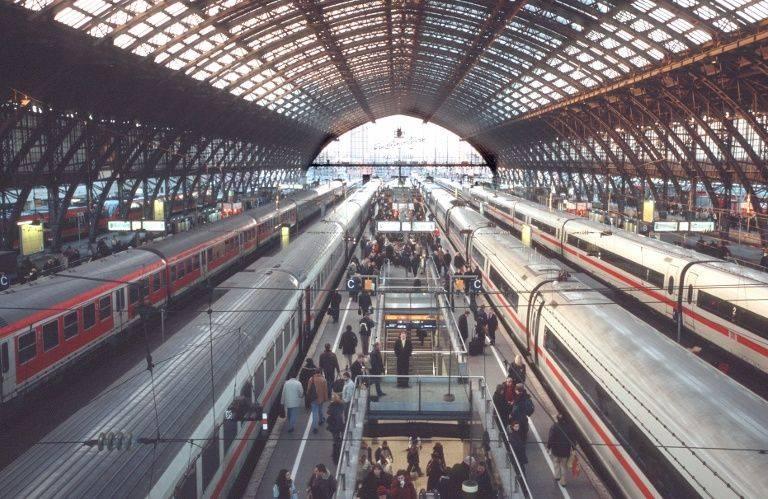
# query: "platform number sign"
(477, 285)
(5, 282)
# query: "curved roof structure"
(467, 65)
(564, 91)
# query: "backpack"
(528, 407)
(312, 392)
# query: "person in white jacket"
(291, 398)
(347, 392)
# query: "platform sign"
(649, 205)
(665, 226)
(31, 238)
(525, 235)
(405, 226)
(387, 226)
(458, 284)
(158, 209)
(285, 236)
(153, 225)
(704, 226)
(683, 226)
(119, 225)
(423, 226)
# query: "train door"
(121, 310)
(671, 290)
(536, 328)
(7, 372)
(689, 298)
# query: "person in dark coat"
(560, 446)
(348, 344)
(321, 484)
(483, 479)
(335, 424)
(500, 401)
(522, 407)
(329, 365)
(464, 326)
(516, 370)
(377, 367)
(305, 373)
(764, 260)
(375, 478)
(335, 305)
(358, 367)
(402, 487)
(364, 302)
(416, 261)
(403, 351)
(446, 262)
(366, 328)
(493, 326)
(517, 442)
(458, 262)
(435, 470)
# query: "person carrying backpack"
(522, 408)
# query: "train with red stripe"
(722, 302)
(660, 421)
(48, 324)
(183, 421)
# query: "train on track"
(660, 421)
(192, 442)
(48, 324)
(722, 302)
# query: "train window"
(195, 263)
(180, 270)
(27, 347)
(203, 255)
(279, 346)
(188, 265)
(105, 308)
(506, 291)
(173, 272)
(209, 252)
(70, 325)
(188, 487)
(690, 293)
(671, 285)
(520, 216)
(157, 281)
(270, 362)
(50, 335)
(258, 380)
(5, 361)
(211, 458)
(715, 305)
(655, 278)
(543, 227)
(479, 258)
(655, 466)
(89, 316)
(133, 294)
(752, 322)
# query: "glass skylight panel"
(138, 7)
(123, 40)
(93, 7)
(72, 17)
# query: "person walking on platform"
(291, 397)
(446, 262)
(483, 479)
(321, 484)
(358, 368)
(335, 306)
(481, 317)
(336, 425)
(364, 302)
(377, 367)
(522, 407)
(347, 392)
(435, 469)
(464, 326)
(329, 364)
(412, 457)
(366, 328)
(402, 487)
(560, 447)
(348, 344)
(516, 370)
(517, 442)
(415, 263)
(284, 487)
(305, 374)
(403, 351)
(375, 479)
(317, 393)
(493, 326)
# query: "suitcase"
(475, 346)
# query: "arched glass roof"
(466, 65)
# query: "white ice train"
(661, 421)
(258, 333)
(722, 302)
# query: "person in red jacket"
(402, 487)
